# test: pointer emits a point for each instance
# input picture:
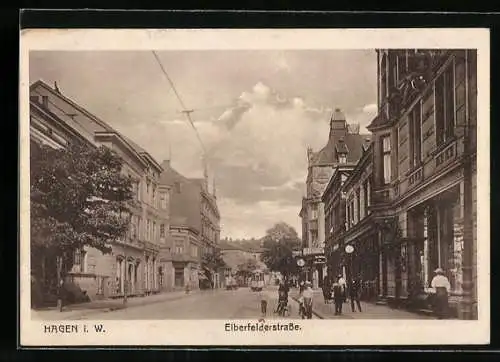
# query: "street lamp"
(349, 249)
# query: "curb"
(320, 316)
(120, 307)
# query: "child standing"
(263, 302)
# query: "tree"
(279, 243)
(246, 268)
(79, 197)
(212, 261)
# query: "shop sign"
(319, 260)
(314, 251)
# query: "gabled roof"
(353, 143)
(185, 207)
(379, 120)
(99, 125)
(47, 113)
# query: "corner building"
(422, 136)
(132, 266)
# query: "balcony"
(415, 176)
(445, 154)
(381, 196)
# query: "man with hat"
(307, 294)
(441, 287)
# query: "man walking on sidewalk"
(338, 297)
(307, 294)
(354, 293)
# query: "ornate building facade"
(424, 172)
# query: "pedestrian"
(341, 281)
(354, 293)
(338, 297)
(263, 302)
(307, 294)
(326, 290)
(441, 288)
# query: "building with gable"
(132, 267)
(344, 147)
(194, 228)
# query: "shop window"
(179, 277)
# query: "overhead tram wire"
(185, 110)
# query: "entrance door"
(179, 277)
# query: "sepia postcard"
(227, 187)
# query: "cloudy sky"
(256, 112)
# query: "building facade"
(424, 172)
(360, 233)
(194, 229)
(343, 147)
(335, 220)
(131, 268)
(210, 226)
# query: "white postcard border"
(313, 332)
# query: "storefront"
(437, 225)
(315, 266)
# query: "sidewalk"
(370, 310)
(77, 311)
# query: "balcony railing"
(381, 196)
(446, 154)
(416, 175)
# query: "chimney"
(45, 101)
(165, 164)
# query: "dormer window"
(342, 158)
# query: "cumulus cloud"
(257, 145)
(241, 221)
(370, 108)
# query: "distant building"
(194, 228)
(132, 266)
(343, 148)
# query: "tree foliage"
(279, 243)
(246, 268)
(79, 197)
(213, 260)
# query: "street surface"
(217, 304)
